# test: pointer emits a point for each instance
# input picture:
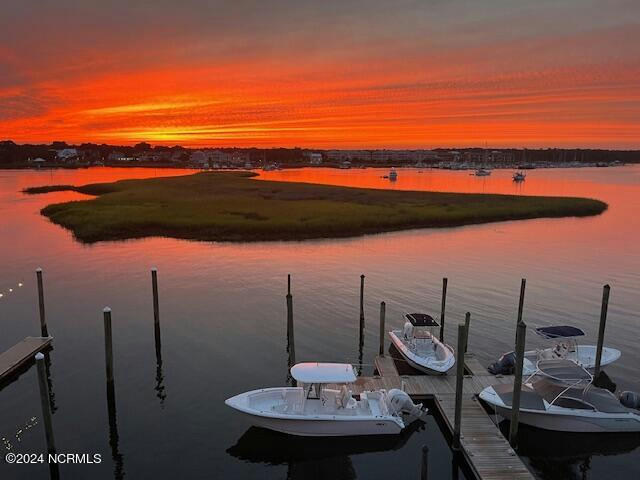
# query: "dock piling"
(467, 320)
(361, 297)
(44, 400)
(154, 288)
(442, 307)
(108, 343)
(462, 341)
(290, 336)
(523, 285)
(383, 309)
(603, 323)
(424, 469)
(521, 331)
(43, 321)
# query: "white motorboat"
(393, 174)
(482, 172)
(566, 347)
(561, 396)
(420, 347)
(314, 409)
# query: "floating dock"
(485, 449)
(21, 353)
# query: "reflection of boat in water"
(312, 409)
(535, 442)
(260, 445)
(561, 396)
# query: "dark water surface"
(223, 325)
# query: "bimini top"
(563, 370)
(421, 320)
(312, 372)
(560, 331)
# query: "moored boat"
(561, 396)
(315, 409)
(565, 347)
(420, 347)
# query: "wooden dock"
(487, 452)
(21, 353)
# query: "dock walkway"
(487, 452)
(21, 353)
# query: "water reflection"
(569, 455)
(311, 457)
(159, 386)
(114, 439)
(47, 369)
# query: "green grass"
(233, 207)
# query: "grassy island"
(230, 206)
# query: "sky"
(322, 74)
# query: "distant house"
(67, 154)
(121, 157)
(315, 158)
(199, 157)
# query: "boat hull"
(326, 427)
(261, 408)
(566, 419)
(417, 362)
(574, 423)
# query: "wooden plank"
(486, 450)
(473, 365)
(386, 366)
(20, 353)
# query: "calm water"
(223, 324)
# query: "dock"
(21, 353)
(485, 449)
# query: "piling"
(442, 307)
(44, 401)
(43, 321)
(523, 285)
(462, 340)
(290, 336)
(154, 288)
(108, 343)
(383, 309)
(603, 323)
(361, 297)
(467, 320)
(521, 331)
(424, 468)
(288, 284)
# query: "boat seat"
(345, 399)
(441, 352)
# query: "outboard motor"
(630, 400)
(505, 365)
(400, 403)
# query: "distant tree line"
(12, 153)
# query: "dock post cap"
(106, 309)
(39, 356)
(39, 270)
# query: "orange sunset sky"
(343, 74)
